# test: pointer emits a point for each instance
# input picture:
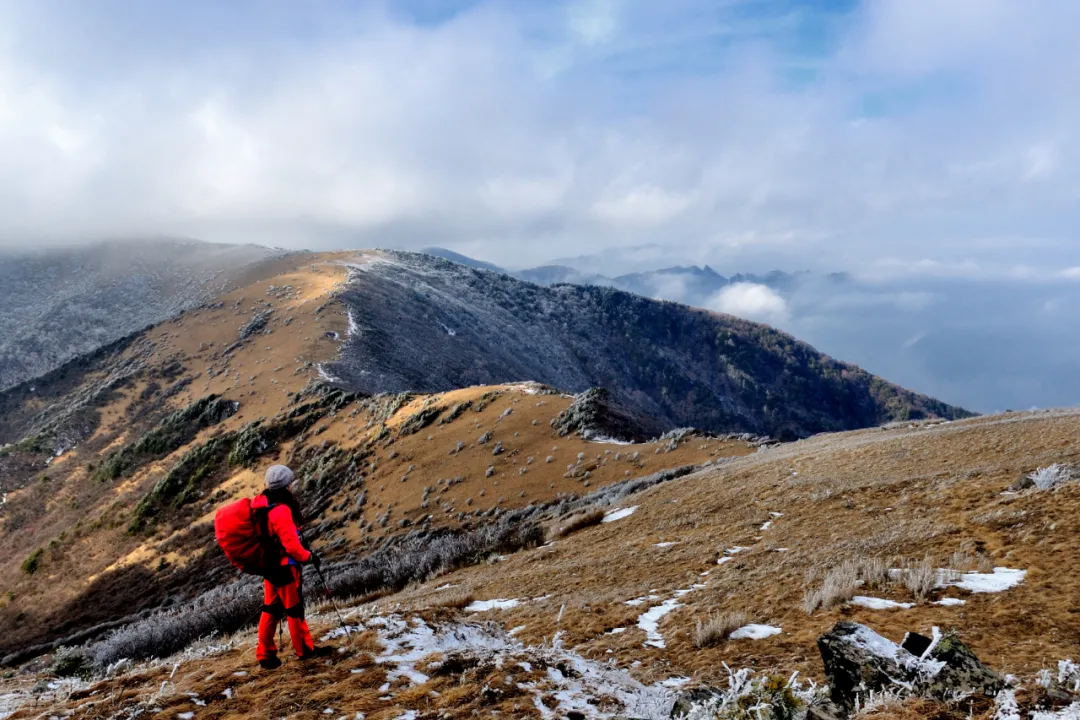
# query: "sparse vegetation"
(175, 431)
(920, 577)
(578, 521)
(717, 628)
(840, 582)
(33, 562)
(455, 598)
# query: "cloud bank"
(748, 134)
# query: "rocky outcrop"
(858, 661)
(595, 414)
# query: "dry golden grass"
(577, 521)
(456, 599)
(87, 518)
(873, 495)
(920, 577)
(717, 628)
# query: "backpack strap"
(270, 543)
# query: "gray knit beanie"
(279, 477)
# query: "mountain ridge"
(458, 326)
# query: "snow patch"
(874, 603)
(619, 514)
(1000, 580)
(755, 632)
(665, 544)
(649, 621)
(950, 602)
(485, 605)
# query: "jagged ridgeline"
(426, 325)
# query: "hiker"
(283, 588)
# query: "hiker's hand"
(316, 561)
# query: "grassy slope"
(92, 569)
(914, 492)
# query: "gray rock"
(963, 672)
(687, 701)
(858, 660)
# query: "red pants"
(285, 601)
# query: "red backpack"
(244, 536)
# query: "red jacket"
(281, 525)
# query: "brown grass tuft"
(456, 598)
(578, 521)
(717, 628)
(921, 577)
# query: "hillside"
(112, 465)
(56, 304)
(428, 325)
(603, 621)
(115, 462)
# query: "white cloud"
(646, 205)
(524, 135)
(752, 302)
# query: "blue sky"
(878, 136)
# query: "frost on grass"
(756, 697)
(1047, 478)
(567, 682)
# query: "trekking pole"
(318, 571)
(326, 588)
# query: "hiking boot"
(317, 652)
(270, 663)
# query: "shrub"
(420, 420)
(226, 609)
(456, 412)
(718, 628)
(33, 562)
(171, 433)
(222, 610)
(1052, 476)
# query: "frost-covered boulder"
(595, 414)
(858, 662)
(963, 672)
